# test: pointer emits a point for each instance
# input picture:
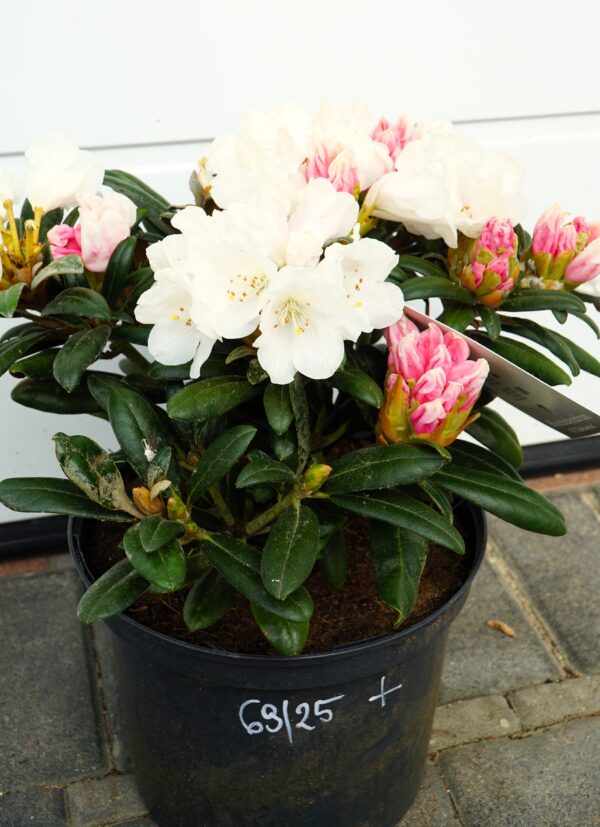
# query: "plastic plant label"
(524, 391)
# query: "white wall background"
(147, 83)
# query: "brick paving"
(516, 736)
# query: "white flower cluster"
(283, 255)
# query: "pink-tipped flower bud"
(64, 240)
(431, 386)
(564, 255)
(487, 266)
(337, 165)
(394, 136)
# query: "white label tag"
(524, 391)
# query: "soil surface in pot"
(341, 616)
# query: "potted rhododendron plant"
(295, 511)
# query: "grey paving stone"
(35, 808)
(116, 728)
(483, 661)
(432, 805)
(464, 721)
(562, 577)
(138, 822)
(551, 702)
(104, 801)
(551, 778)
(48, 721)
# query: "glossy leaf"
(66, 266)
(53, 496)
(491, 320)
(403, 511)
(287, 636)
(358, 384)
(526, 358)
(91, 469)
(239, 563)
(290, 551)
(552, 341)
(16, 347)
(209, 398)
(468, 455)
(9, 299)
(457, 316)
(428, 287)
(510, 500)
(493, 431)
(156, 532)
(263, 469)
(101, 384)
(118, 268)
(398, 558)
(36, 366)
(438, 498)
(278, 407)
(137, 283)
(584, 359)
(301, 419)
(159, 466)
(112, 593)
(219, 457)
(48, 396)
(208, 600)
(540, 299)
(78, 301)
(140, 193)
(165, 567)
(422, 266)
(78, 353)
(381, 467)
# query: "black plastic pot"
(329, 740)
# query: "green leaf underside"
(368, 469)
(287, 636)
(493, 431)
(290, 551)
(165, 567)
(209, 398)
(65, 266)
(510, 500)
(53, 496)
(398, 558)
(405, 512)
(112, 593)
(219, 457)
(77, 354)
(239, 563)
(208, 600)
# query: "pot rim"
(477, 520)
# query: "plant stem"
(221, 505)
(269, 515)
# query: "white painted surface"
(146, 81)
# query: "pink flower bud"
(585, 266)
(338, 166)
(559, 250)
(64, 240)
(487, 266)
(431, 385)
(394, 136)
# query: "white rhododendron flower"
(444, 183)
(58, 171)
(105, 221)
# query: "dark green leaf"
(13, 349)
(136, 334)
(65, 266)
(255, 373)
(210, 397)
(583, 317)
(334, 559)
(9, 299)
(140, 193)
(554, 342)
(405, 512)
(53, 496)
(428, 287)
(359, 384)
(208, 600)
(118, 268)
(78, 301)
(398, 559)
(540, 299)
(287, 636)
(495, 433)
(48, 396)
(78, 353)
(240, 352)
(138, 426)
(239, 563)
(510, 500)
(219, 457)
(382, 467)
(457, 316)
(49, 219)
(100, 386)
(438, 498)
(301, 419)
(170, 373)
(166, 567)
(584, 359)
(263, 469)
(422, 266)
(112, 593)
(159, 466)
(155, 532)
(290, 551)
(278, 407)
(37, 366)
(91, 469)
(526, 358)
(491, 320)
(470, 456)
(137, 283)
